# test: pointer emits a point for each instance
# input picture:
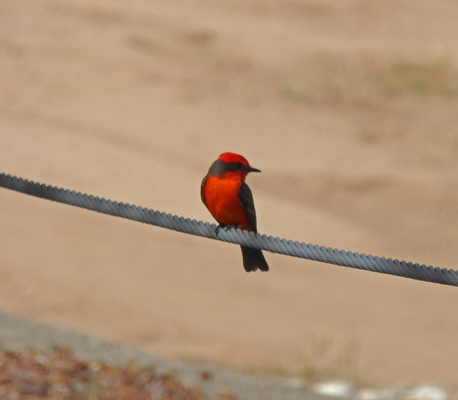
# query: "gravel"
(25, 343)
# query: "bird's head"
(231, 165)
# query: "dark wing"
(202, 190)
(246, 200)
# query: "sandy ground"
(350, 110)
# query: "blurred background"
(349, 108)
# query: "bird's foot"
(224, 227)
(220, 226)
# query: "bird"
(230, 201)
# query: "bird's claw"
(224, 227)
(217, 229)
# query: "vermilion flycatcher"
(229, 200)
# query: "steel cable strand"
(250, 239)
(392, 266)
(311, 250)
(335, 254)
(449, 276)
(367, 262)
(348, 259)
(321, 250)
(381, 265)
(421, 270)
(433, 273)
(294, 248)
(304, 249)
(326, 256)
(331, 256)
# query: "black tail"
(253, 259)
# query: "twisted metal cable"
(236, 236)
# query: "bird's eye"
(235, 167)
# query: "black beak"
(250, 169)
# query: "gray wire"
(236, 236)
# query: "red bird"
(229, 200)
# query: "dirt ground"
(349, 108)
